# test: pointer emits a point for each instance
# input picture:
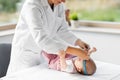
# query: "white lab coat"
(39, 28)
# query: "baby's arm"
(77, 52)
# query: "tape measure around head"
(84, 67)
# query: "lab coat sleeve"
(33, 18)
(63, 31)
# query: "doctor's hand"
(83, 45)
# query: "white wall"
(6, 38)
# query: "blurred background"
(9, 10)
(96, 10)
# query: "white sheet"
(105, 71)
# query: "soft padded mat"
(105, 71)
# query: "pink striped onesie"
(54, 62)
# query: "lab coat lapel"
(54, 22)
(51, 20)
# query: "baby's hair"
(89, 67)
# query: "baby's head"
(86, 67)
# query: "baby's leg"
(48, 57)
(91, 51)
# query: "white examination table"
(105, 71)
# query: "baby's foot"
(91, 51)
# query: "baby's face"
(78, 64)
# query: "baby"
(69, 63)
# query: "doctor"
(41, 26)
